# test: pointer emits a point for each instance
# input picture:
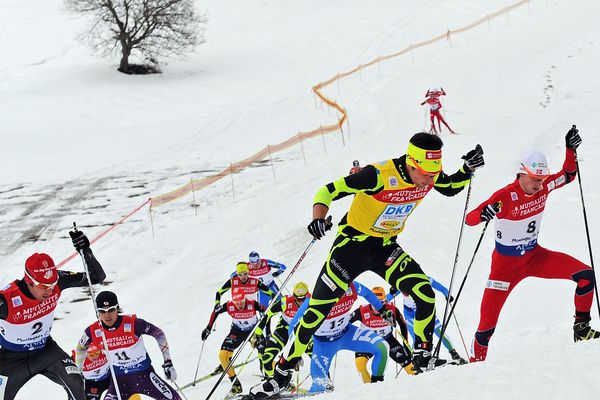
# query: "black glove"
(260, 343)
(205, 333)
(474, 158)
(217, 305)
(489, 212)
(573, 140)
(393, 290)
(276, 273)
(170, 372)
(319, 226)
(80, 241)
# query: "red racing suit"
(517, 254)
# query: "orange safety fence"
(105, 232)
(318, 87)
(195, 185)
(238, 166)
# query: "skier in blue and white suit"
(336, 333)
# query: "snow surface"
(81, 142)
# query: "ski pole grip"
(328, 223)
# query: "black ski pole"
(271, 303)
(460, 235)
(104, 341)
(462, 285)
(198, 365)
(587, 230)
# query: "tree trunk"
(125, 53)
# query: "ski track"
(30, 214)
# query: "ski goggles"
(45, 286)
(106, 310)
(426, 161)
(541, 173)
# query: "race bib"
(393, 216)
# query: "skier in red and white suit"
(435, 105)
(27, 308)
(519, 208)
(245, 315)
(127, 353)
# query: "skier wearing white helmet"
(518, 208)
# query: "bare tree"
(153, 28)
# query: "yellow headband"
(241, 268)
(428, 161)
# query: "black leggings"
(275, 344)
(94, 389)
(349, 257)
(17, 368)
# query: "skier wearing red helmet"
(27, 309)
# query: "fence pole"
(348, 123)
(302, 147)
(271, 158)
(193, 196)
(151, 219)
(231, 174)
(323, 137)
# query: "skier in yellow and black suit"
(386, 193)
(287, 306)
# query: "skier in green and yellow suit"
(386, 193)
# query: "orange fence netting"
(198, 184)
(317, 89)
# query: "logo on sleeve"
(327, 280)
(497, 285)
(560, 180)
(514, 196)
(127, 327)
(393, 181)
(17, 301)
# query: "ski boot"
(236, 388)
(583, 331)
(272, 386)
(424, 361)
(218, 370)
(456, 358)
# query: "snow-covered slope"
(82, 142)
